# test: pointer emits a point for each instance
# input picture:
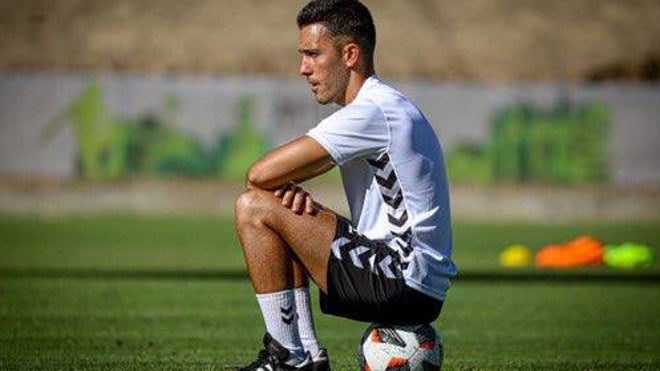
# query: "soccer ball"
(405, 348)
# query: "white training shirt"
(394, 176)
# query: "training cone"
(628, 256)
(515, 256)
(582, 251)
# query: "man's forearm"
(296, 161)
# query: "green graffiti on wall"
(566, 144)
(109, 147)
(238, 150)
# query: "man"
(391, 262)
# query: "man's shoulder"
(363, 108)
(384, 95)
(375, 87)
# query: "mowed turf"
(130, 292)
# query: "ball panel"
(397, 362)
(427, 345)
(375, 337)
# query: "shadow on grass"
(494, 276)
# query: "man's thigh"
(309, 236)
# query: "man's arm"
(301, 159)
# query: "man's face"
(322, 64)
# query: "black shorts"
(365, 283)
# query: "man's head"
(336, 37)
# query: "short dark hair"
(343, 18)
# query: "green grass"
(131, 292)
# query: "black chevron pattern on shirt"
(400, 221)
(405, 235)
(397, 214)
(393, 201)
(379, 162)
(404, 246)
(387, 182)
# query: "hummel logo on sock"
(288, 315)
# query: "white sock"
(306, 320)
(279, 311)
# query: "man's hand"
(296, 199)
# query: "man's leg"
(281, 248)
(274, 238)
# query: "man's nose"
(304, 69)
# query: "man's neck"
(355, 82)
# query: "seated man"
(391, 261)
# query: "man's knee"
(252, 206)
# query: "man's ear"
(351, 55)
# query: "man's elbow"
(251, 179)
(255, 178)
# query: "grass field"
(129, 292)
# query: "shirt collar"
(369, 83)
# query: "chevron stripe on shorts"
(363, 253)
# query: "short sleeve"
(353, 131)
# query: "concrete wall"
(30, 102)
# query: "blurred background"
(126, 128)
(545, 109)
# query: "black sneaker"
(274, 357)
(321, 362)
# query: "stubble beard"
(338, 91)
